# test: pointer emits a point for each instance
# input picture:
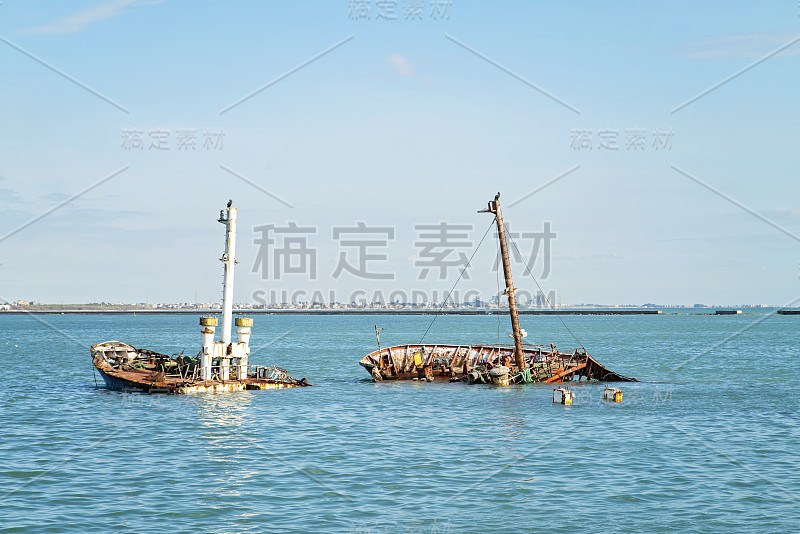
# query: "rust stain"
(124, 367)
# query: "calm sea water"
(707, 442)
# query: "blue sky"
(399, 123)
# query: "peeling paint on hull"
(472, 363)
(125, 368)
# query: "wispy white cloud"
(739, 45)
(402, 66)
(405, 68)
(9, 195)
(82, 19)
(592, 256)
(792, 211)
(787, 214)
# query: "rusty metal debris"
(488, 364)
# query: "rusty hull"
(124, 367)
(470, 362)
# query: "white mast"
(225, 351)
(229, 261)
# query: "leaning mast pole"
(494, 207)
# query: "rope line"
(527, 267)
(497, 277)
(454, 285)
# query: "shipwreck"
(488, 364)
(218, 366)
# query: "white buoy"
(500, 375)
(562, 396)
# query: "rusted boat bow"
(219, 365)
(482, 364)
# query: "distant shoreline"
(382, 311)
